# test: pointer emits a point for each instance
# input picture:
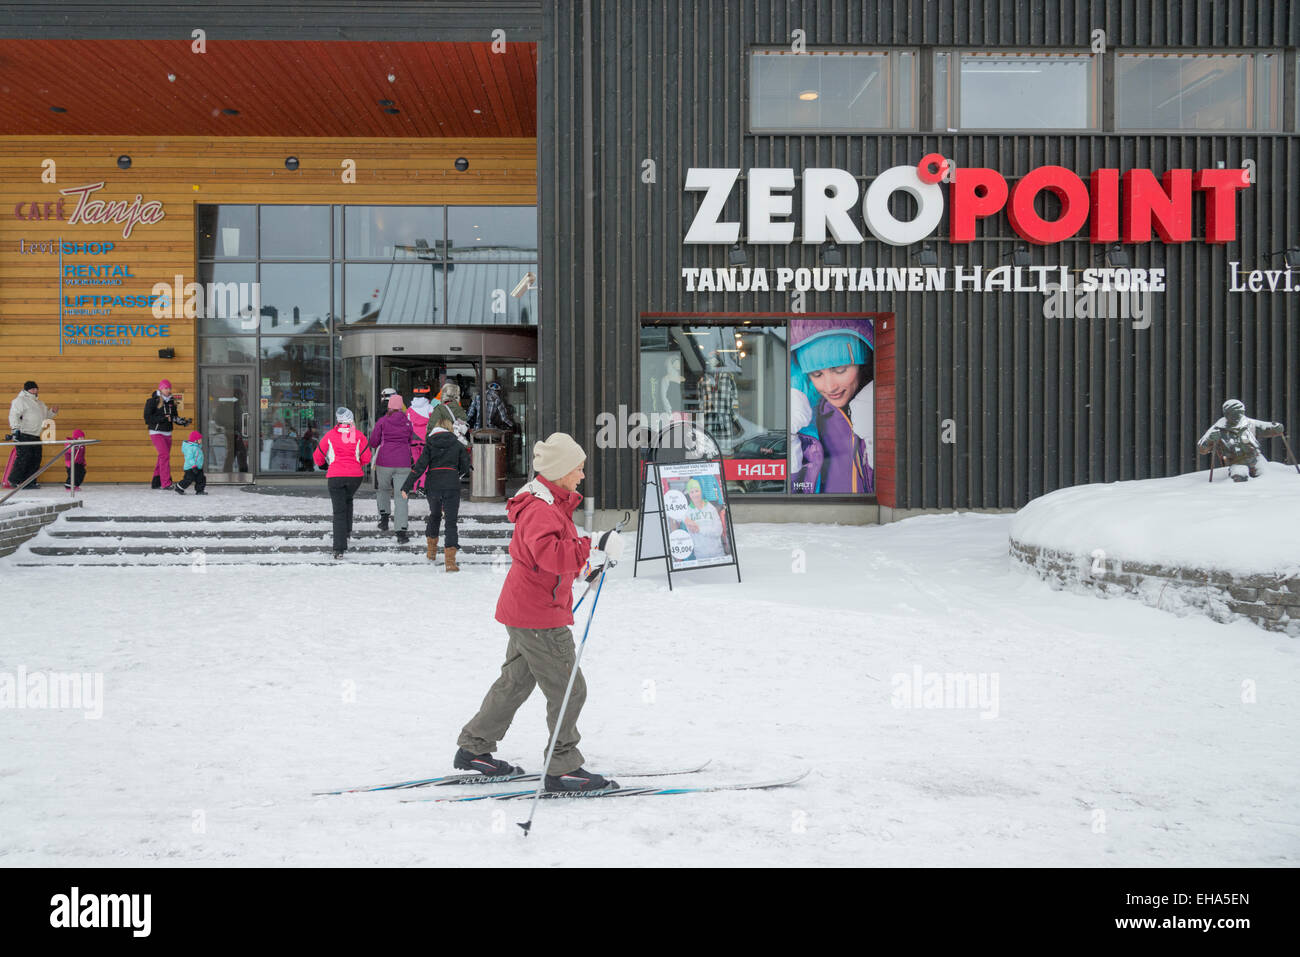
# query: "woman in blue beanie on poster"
(832, 406)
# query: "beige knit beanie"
(557, 456)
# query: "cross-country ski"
(613, 792)
(447, 780)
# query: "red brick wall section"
(886, 477)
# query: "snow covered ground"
(1108, 733)
(1184, 520)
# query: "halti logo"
(103, 910)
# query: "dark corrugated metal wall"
(1037, 403)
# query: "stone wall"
(18, 523)
(1271, 601)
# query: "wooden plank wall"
(102, 389)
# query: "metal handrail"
(66, 443)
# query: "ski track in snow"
(224, 696)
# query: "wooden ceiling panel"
(307, 89)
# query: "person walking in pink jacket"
(344, 453)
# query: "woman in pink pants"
(160, 415)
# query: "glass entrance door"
(407, 373)
(227, 423)
(513, 409)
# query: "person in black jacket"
(160, 413)
(445, 459)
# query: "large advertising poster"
(832, 407)
(695, 512)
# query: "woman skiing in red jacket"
(547, 556)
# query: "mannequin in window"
(720, 404)
(670, 387)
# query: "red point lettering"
(1220, 187)
(976, 192)
(1065, 186)
(1168, 203)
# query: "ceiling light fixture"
(57, 109)
(808, 95)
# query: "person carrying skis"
(547, 556)
(1237, 437)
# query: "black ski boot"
(579, 780)
(383, 521)
(403, 538)
(483, 763)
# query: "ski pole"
(1287, 445)
(564, 704)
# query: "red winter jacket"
(346, 451)
(547, 554)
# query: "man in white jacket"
(26, 413)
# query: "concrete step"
(312, 531)
(322, 559)
(276, 549)
(83, 519)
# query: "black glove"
(183, 422)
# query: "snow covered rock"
(1184, 544)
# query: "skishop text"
(75, 909)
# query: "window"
(1008, 91)
(389, 294)
(294, 407)
(730, 380)
(227, 232)
(295, 232)
(842, 91)
(295, 298)
(1198, 91)
(488, 233)
(394, 232)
